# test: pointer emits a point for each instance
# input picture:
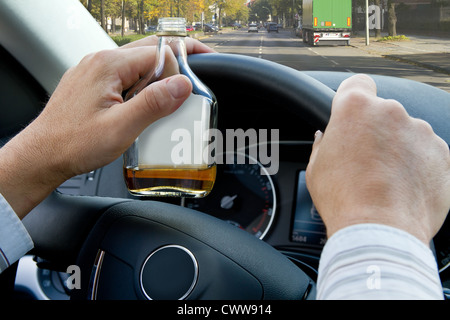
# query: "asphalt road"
(286, 49)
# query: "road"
(286, 49)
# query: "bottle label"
(180, 139)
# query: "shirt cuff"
(15, 241)
(372, 261)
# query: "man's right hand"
(376, 164)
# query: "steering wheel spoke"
(163, 251)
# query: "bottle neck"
(178, 46)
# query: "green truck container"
(326, 21)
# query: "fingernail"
(317, 134)
(178, 86)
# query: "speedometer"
(242, 196)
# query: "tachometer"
(241, 196)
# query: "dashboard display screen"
(308, 227)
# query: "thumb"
(157, 100)
(315, 149)
(317, 139)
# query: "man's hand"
(86, 124)
(376, 164)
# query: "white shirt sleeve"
(372, 261)
(15, 241)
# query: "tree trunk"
(123, 18)
(102, 15)
(141, 18)
(392, 20)
(378, 31)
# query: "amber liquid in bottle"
(178, 182)
(158, 171)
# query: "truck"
(326, 22)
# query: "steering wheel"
(130, 249)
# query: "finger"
(359, 82)
(157, 100)
(141, 56)
(354, 95)
(147, 41)
(195, 46)
(435, 142)
(134, 63)
(315, 148)
(312, 159)
(317, 137)
(192, 45)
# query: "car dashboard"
(273, 207)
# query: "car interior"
(254, 237)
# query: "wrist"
(27, 175)
(403, 219)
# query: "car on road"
(236, 25)
(210, 28)
(189, 28)
(272, 27)
(252, 27)
(256, 236)
(151, 29)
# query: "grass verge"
(396, 38)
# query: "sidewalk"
(427, 52)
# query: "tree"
(142, 12)
(378, 31)
(279, 10)
(102, 15)
(260, 10)
(229, 9)
(153, 9)
(122, 13)
(284, 10)
(392, 19)
(100, 9)
(141, 17)
(236, 10)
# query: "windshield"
(407, 38)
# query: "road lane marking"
(325, 57)
(260, 51)
(313, 51)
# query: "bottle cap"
(171, 27)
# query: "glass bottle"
(172, 157)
